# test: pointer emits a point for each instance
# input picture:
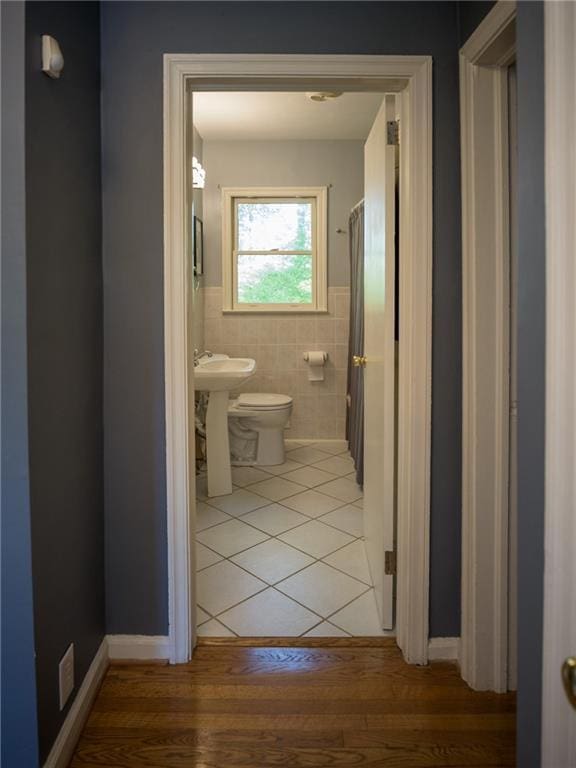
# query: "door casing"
(484, 62)
(411, 77)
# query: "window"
(274, 249)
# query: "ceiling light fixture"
(198, 174)
(323, 95)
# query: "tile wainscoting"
(278, 343)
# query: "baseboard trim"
(65, 744)
(444, 649)
(139, 648)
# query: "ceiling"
(273, 116)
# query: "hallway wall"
(134, 37)
(19, 743)
(64, 295)
(531, 376)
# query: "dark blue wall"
(19, 728)
(470, 14)
(134, 37)
(531, 376)
(64, 293)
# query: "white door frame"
(558, 718)
(412, 76)
(486, 317)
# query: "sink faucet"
(199, 355)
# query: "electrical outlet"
(66, 675)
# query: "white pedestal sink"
(218, 375)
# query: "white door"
(379, 351)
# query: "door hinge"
(393, 131)
(390, 563)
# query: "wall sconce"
(52, 59)
(198, 174)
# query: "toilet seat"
(263, 401)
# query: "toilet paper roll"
(315, 362)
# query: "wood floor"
(239, 706)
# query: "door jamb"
(485, 398)
(412, 76)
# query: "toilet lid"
(263, 400)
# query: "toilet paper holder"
(307, 356)
(316, 362)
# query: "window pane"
(274, 279)
(281, 225)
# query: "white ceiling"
(268, 116)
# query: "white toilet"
(256, 424)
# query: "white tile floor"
(283, 555)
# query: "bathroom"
(280, 549)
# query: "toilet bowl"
(259, 418)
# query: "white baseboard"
(444, 649)
(63, 748)
(138, 647)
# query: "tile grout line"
(292, 546)
(276, 537)
(275, 587)
(279, 503)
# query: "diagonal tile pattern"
(322, 589)
(316, 539)
(312, 503)
(283, 555)
(268, 614)
(229, 538)
(272, 560)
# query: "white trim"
(558, 718)
(65, 744)
(415, 366)
(493, 42)
(444, 649)
(485, 401)
(320, 250)
(411, 75)
(139, 647)
(180, 480)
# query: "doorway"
(287, 546)
(410, 76)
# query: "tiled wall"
(277, 343)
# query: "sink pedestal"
(218, 375)
(218, 445)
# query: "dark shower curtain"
(355, 411)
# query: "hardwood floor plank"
(281, 706)
(181, 720)
(358, 692)
(302, 706)
(182, 755)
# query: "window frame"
(230, 197)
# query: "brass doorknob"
(359, 361)
(569, 679)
